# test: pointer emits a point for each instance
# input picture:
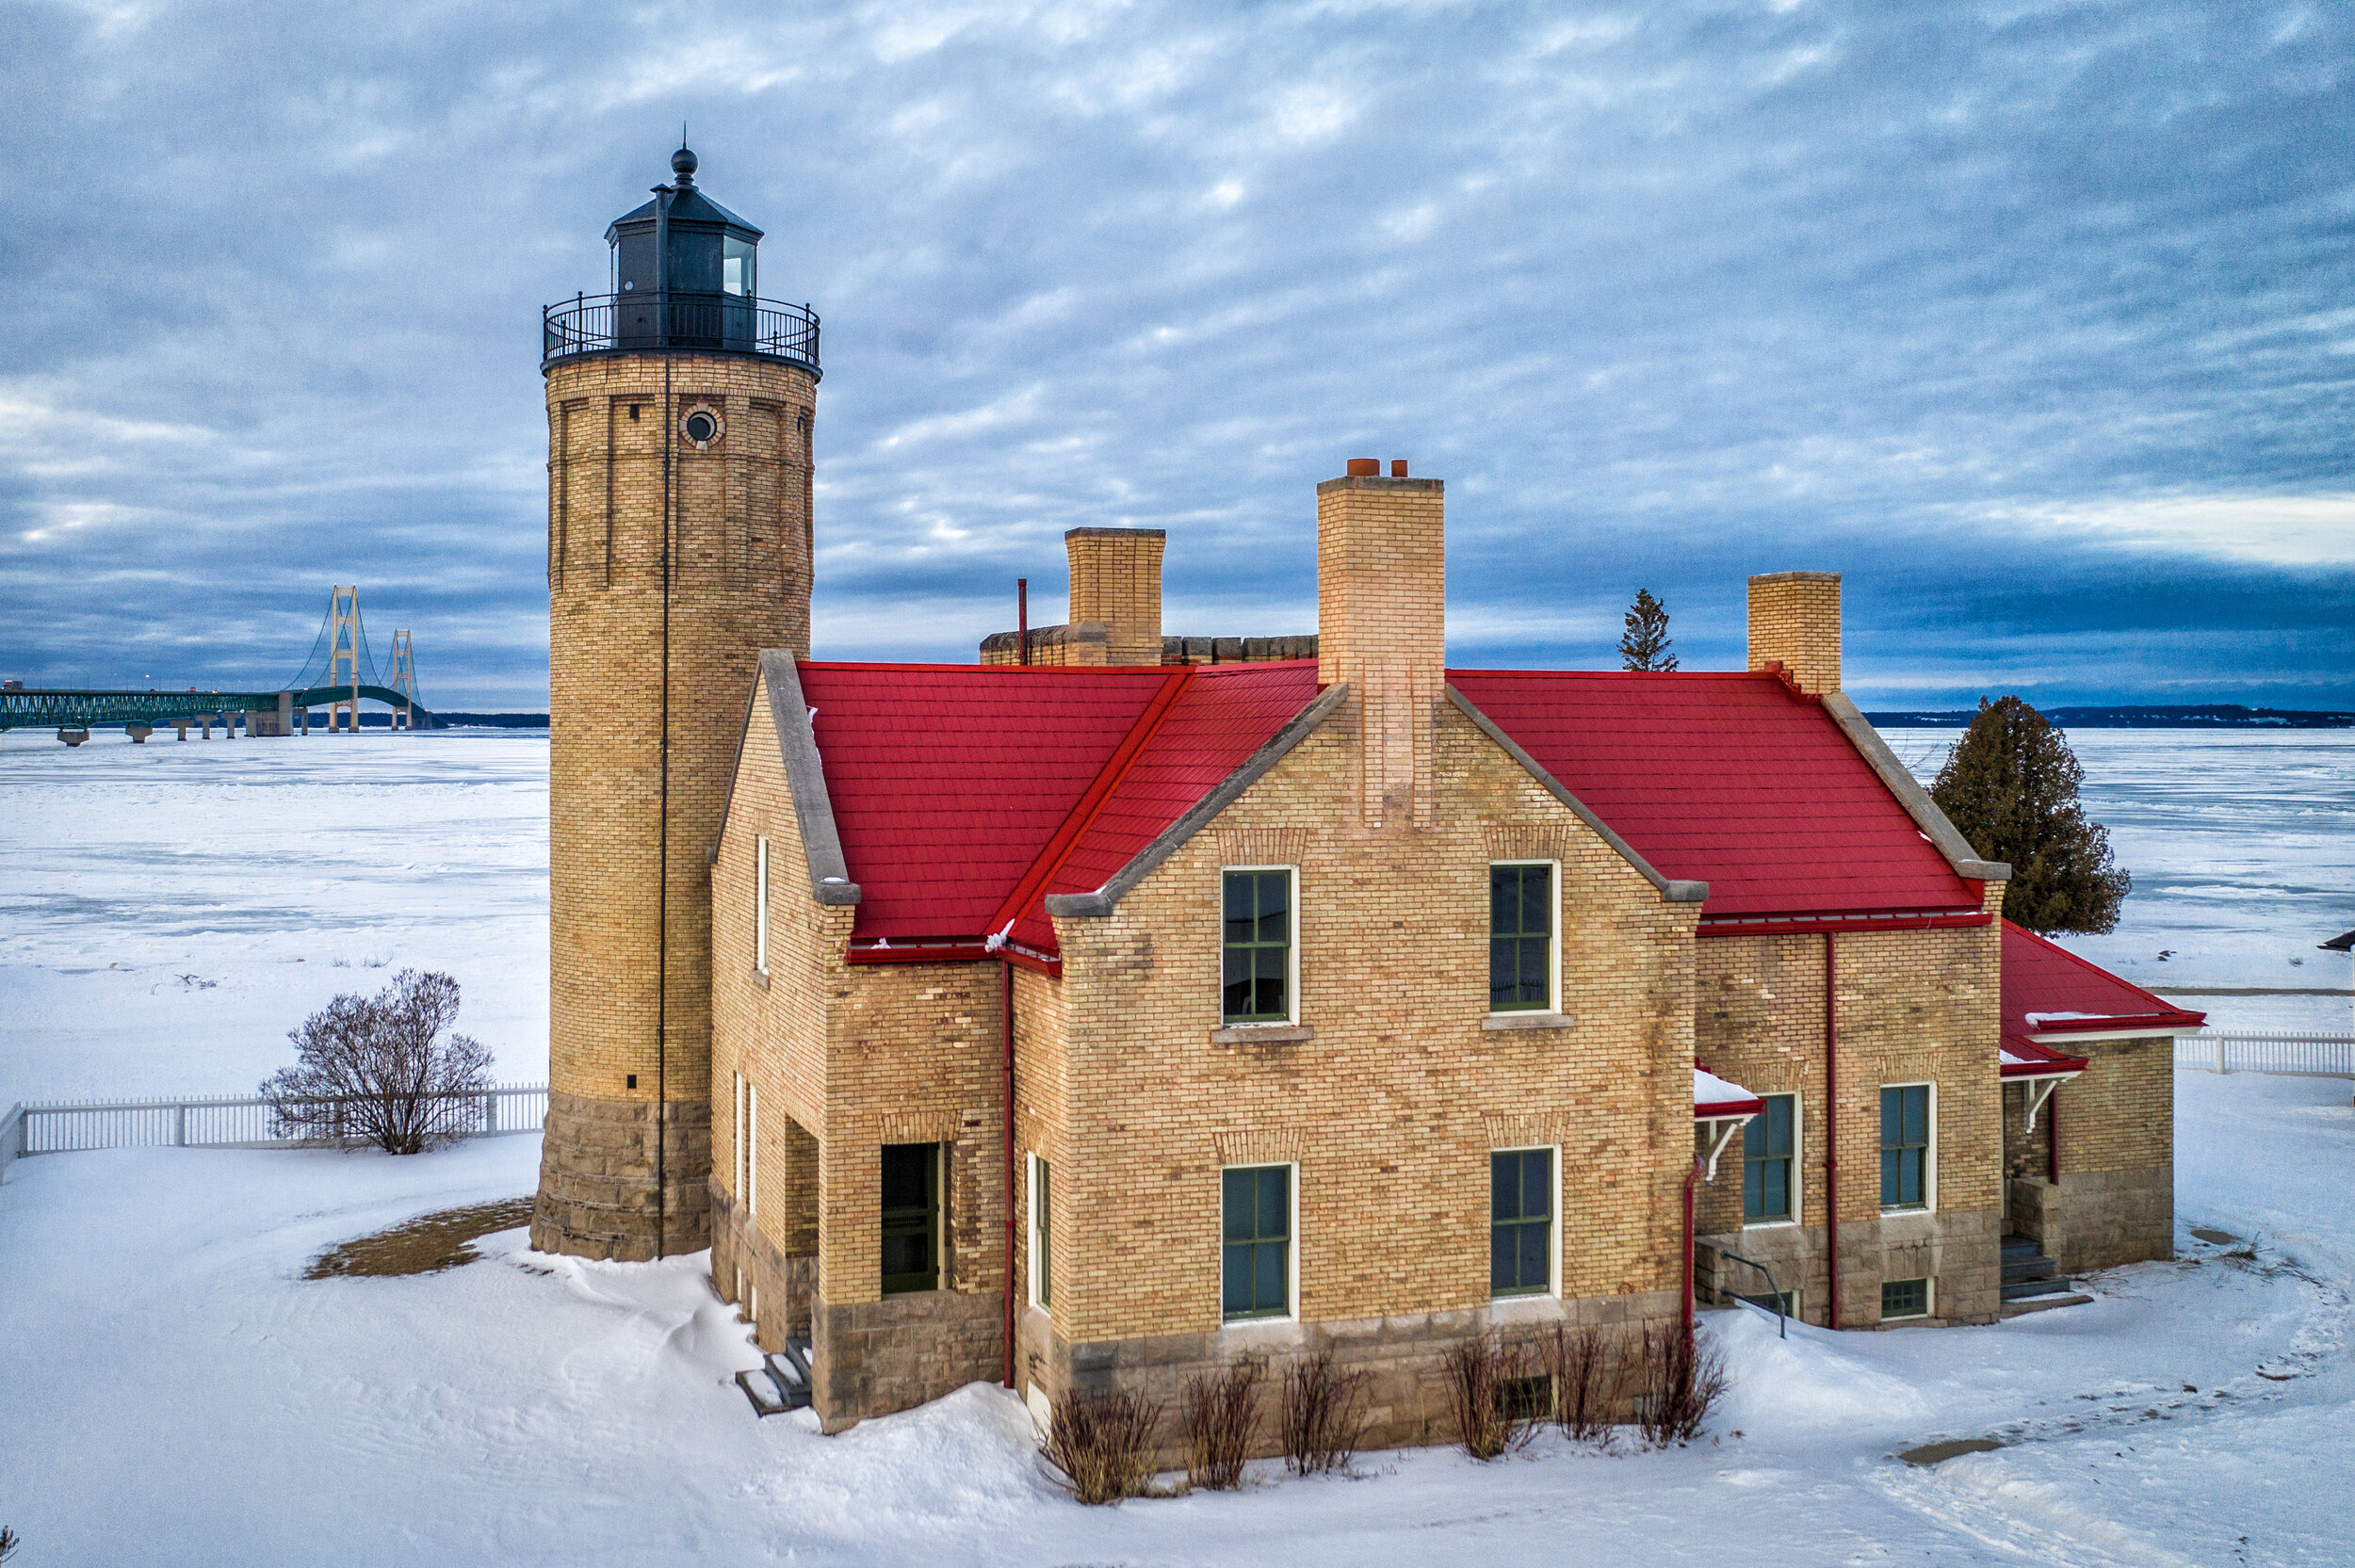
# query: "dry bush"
(10, 1541)
(1497, 1395)
(377, 1068)
(1681, 1379)
(1101, 1443)
(1325, 1415)
(1589, 1380)
(1221, 1417)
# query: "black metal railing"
(602, 323)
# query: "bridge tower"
(680, 410)
(405, 679)
(343, 652)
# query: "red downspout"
(1022, 620)
(2052, 1128)
(1691, 1176)
(1005, 976)
(1831, 1129)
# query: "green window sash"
(1255, 1228)
(1257, 938)
(911, 1217)
(1906, 1147)
(1520, 1222)
(1766, 1160)
(1520, 938)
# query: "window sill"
(1263, 1034)
(1539, 1305)
(758, 976)
(1770, 1225)
(1528, 1021)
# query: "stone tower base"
(598, 1187)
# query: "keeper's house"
(1123, 1003)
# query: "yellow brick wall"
(2119, 1113)
(1392, 1109)
(1381, 627)
(1116, 579)
(1794, 619)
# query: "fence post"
(180, 1125)
(490, 1113)
(2220, 1068)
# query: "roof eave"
(806, 781)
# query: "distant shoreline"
(2211, 716)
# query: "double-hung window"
(1520, 938)
(1520, 1222)
(760, 905)
(1257, 939)
(1042, 1234)
(1769, 1163)
(1255, 1241)
(1907, 1169)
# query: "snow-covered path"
(176, 1392)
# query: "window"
(1905, 1298)
(1768, 1193)
(1520, 1222)
(735, 266)
(1042, 1234)
(1520, 938)
(1256, 1230)
(747, 1145)
(1906, 1146)
(1258, 968)
(911, 1217)
(760, 905)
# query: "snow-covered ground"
(178, 1392)
(167, 911)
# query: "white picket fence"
(238, 1121)
(2289, 1056)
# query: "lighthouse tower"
(680, 414)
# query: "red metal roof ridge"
(2160, 1004)
(1041, 869)
(1126, 670)
(1635, 674)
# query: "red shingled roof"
(948, 780)
(2050, 991)
(1735, 780)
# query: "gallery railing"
(728, 323)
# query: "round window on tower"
(702, 426)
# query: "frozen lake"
(167, 911)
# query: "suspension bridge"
(339, 674)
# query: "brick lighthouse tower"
(680, 414)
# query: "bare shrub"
(1496, 1399)
(1101, 1443)
(1681, 1379)
(1222, 1415)
(1325, 1415)
(10, 1541)
(378, 1068)
(1589, 1380)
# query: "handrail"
(1780, 1294)
(721, 323)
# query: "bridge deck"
(45, 708)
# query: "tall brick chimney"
(1117, 578)
(1795, 621)
(1382, 627)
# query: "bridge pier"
(74, 737)
(182, 725)
(138, 733)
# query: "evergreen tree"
(2009, 787)
(1645, 646)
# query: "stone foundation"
(872, 1358)
(1961, 1250)
(785, 1283)
(2099, 1218)
(598, 1196)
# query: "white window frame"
(1292, 956)
(1554, 943)
(1929, 1288)
(748, 1145)
(760, 904)
(1929, 1156)
(1553, 1241)
(1038, 1163)
(1292, 1248)
(1798, 1167)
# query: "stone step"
(2035, 1268)
(2021, 1246)
(776, 1386)
(2015, 1289)
(2044, 1303)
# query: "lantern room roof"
(689, 205)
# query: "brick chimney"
(1795, 621)
(1382, 627)
(1117, 578)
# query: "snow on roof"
(1714, 1098)
(2025, 1059)
(1732, 779)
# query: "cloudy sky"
(2035, 320)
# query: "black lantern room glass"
(683, 270)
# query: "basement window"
(911, 1217)
(1520, 938)
(1257, 942)
(1905, 1298)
